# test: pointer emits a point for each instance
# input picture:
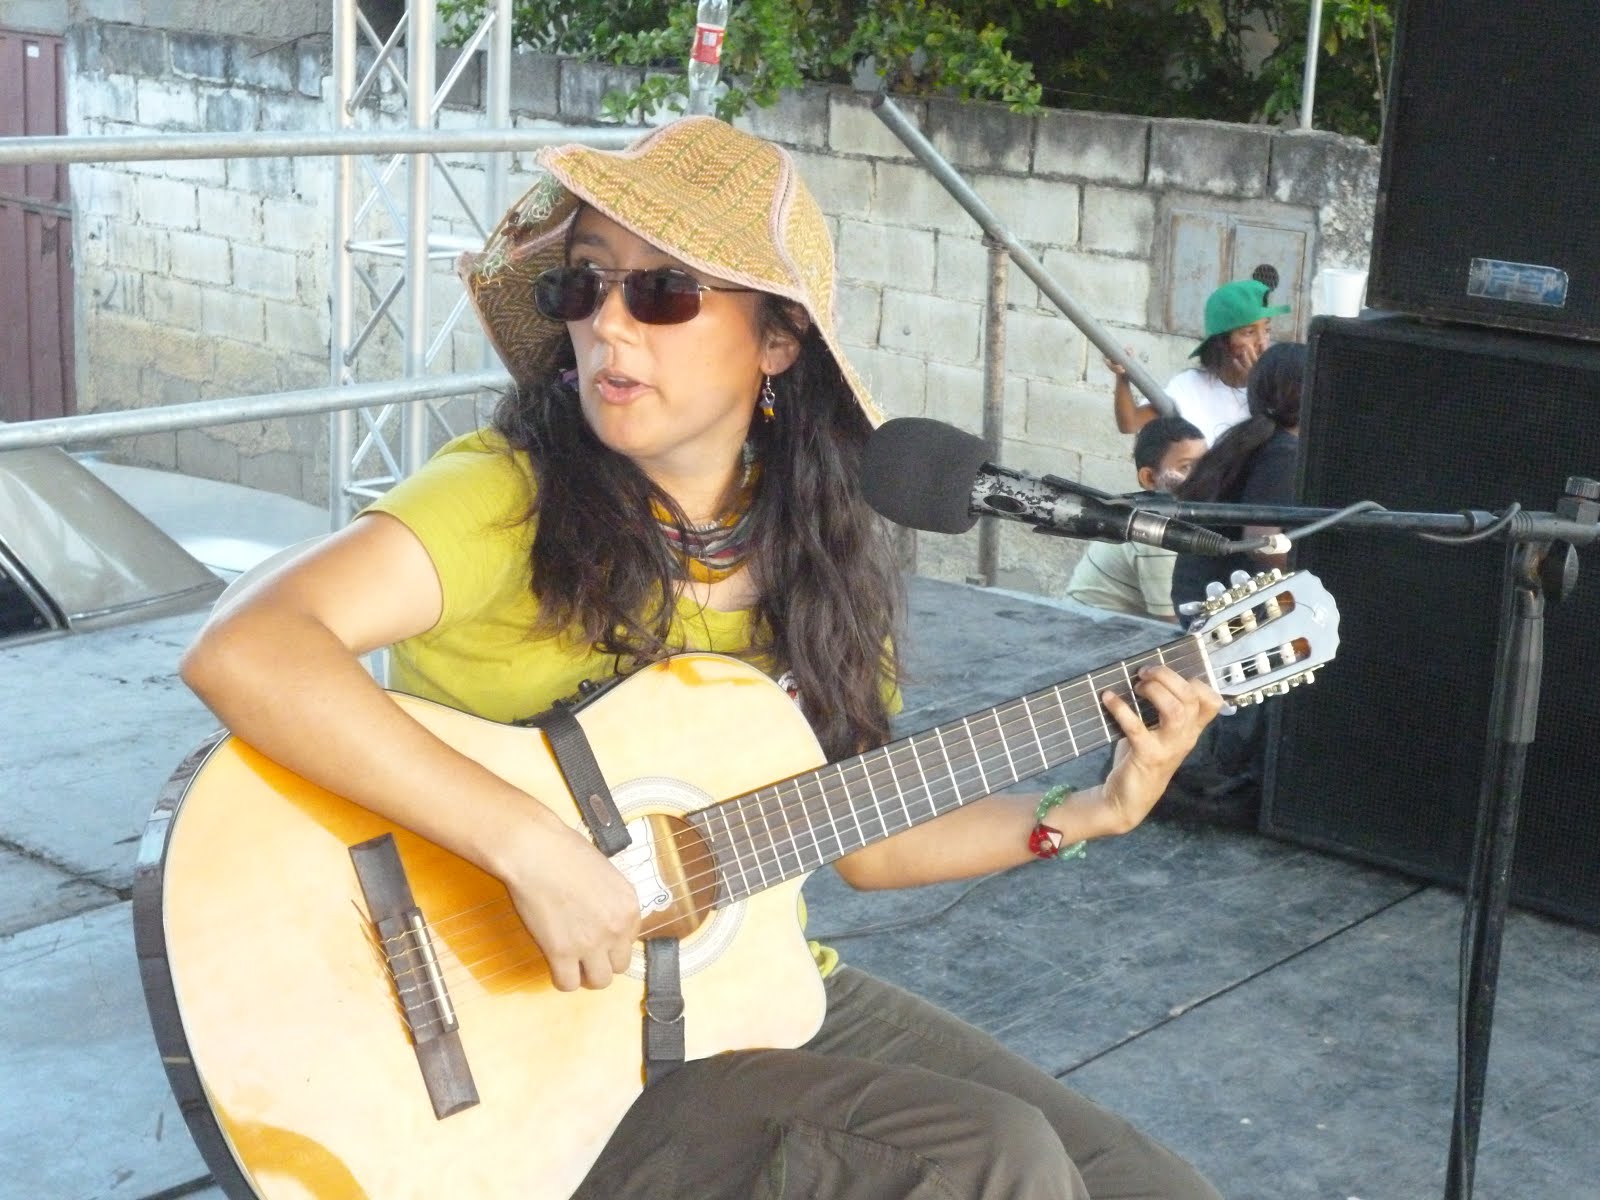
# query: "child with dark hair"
(1125, 576)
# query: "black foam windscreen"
(1384, 757)
(1490, 171)
(919, 473)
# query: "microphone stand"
(1541, 562)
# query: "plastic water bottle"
(705, 56)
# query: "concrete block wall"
(188, 266)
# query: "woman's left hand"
(1149, 755)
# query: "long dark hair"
(830, 601)
(1273, 394)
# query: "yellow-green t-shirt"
(469, 506)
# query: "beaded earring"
(768, 399)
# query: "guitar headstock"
(1267, 634)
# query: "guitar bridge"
(413, 965)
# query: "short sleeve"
(469, 507)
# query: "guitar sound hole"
(685, 865)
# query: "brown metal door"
(35, 238)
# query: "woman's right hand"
(579, 908)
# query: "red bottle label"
(707, 44)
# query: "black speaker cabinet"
(1489, 180)
(1383, 757)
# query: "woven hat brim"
(726, 235)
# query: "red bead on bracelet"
(1045, 840)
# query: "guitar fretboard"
(789, 828)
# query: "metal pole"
(420, 67)
(342, 423)
(170, 147)
(994, 397)
(1308, 91)
(87, 427)
(984, 215)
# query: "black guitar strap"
(570, 746)
(663, 991)
(663, 1009)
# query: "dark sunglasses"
(659, 296)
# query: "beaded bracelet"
(1045, 840)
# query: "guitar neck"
(799, 824)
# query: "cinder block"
(974, 135)
(857, 311)
(1076, 418)
(234, 110)
(1118, 221)
(166, 202)
(842, 186)
(939, 330)
(164, 103)
(1209, 157)
(1043, 346)
(1108, 289)
(886, 254)
(908, 194)
(298, 328)
(231, 315)
(271, 178)
(107, 96)
(962, 273)
(855, 128)
(128, 50)
(535, 83)
(201, 56)
(172, 302)
(798, 119)
(138, 247)
(1095, 147)
(262, 271)
(584, 86)
(202, 258)
(1041, 212)
(227, 214)
(116, 291)
(180, 353)
(272, 67)
(898, 382)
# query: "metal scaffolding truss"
(387, 240)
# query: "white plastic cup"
(1338, 291)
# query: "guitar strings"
(887, 755)
(786, 810)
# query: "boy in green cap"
(1211, 395)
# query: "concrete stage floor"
(1284, 1018)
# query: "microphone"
(933, 476)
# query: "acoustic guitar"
(346, 1010)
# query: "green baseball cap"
(1235, 305)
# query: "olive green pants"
(894, 1099)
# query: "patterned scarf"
(715, 549)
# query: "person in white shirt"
(1126, 576)
(1211, 395)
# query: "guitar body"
(278, 1019)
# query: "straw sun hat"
(722, 201)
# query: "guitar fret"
(1065, 717)
(734, 855)
(1033, 728)
(976, 757)
(1005, 745)
(811, 828)
(833, 826)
